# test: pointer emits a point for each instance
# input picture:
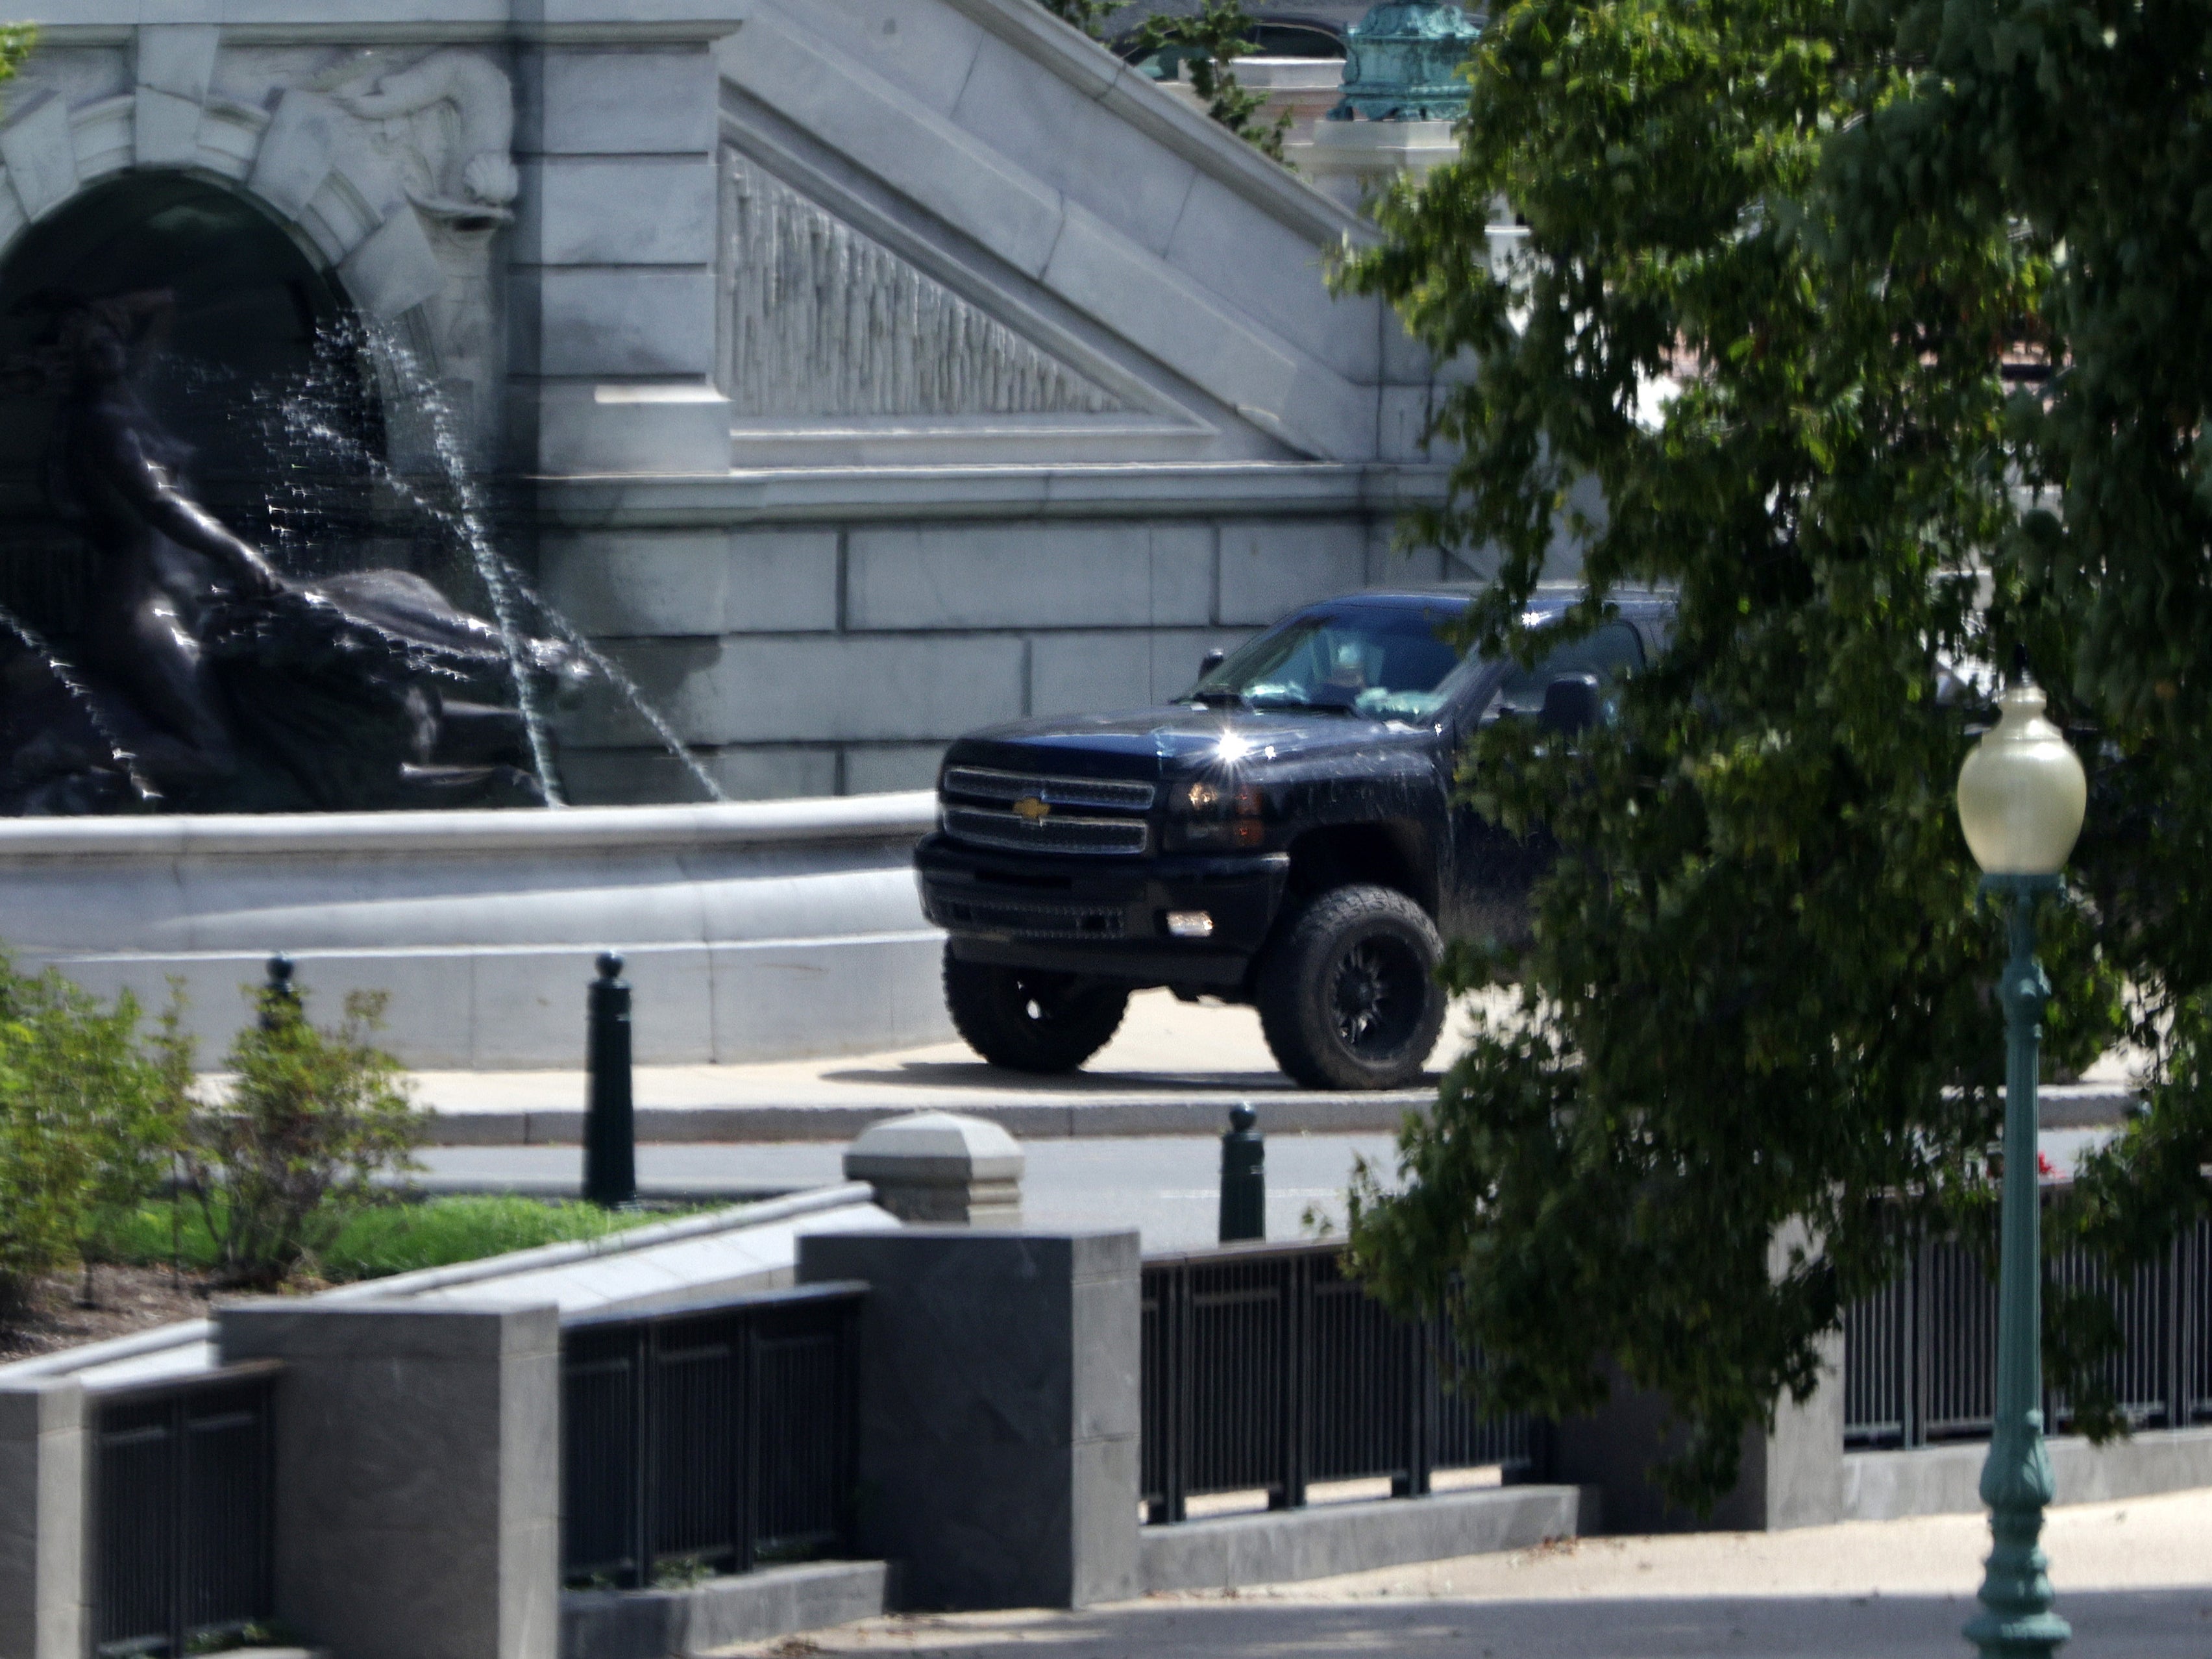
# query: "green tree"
(1210, 44)
(1754, 1014)
(2088, 127)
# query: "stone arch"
(301, 162)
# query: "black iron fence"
(182, 1518)
(1265, 1368)
(708, 1439)
(1920, 1357)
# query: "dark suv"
(1284, 835)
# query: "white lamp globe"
(2022, 792)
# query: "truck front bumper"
(1105, 918)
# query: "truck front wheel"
(1348, 994)
(1029, 1021)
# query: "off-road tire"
(1348, 993)
(1029, 1021)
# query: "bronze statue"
(202, 679)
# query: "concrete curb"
(752, 1607)
(1059, 1117)
(1032, 1119)
(1284, 1545)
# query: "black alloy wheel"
(1028, 1020)
(1348, 995)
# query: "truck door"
(1488, 873)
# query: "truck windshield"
(1385, 661)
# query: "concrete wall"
(840, 659)
(751, 932)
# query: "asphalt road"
(1167, 1188)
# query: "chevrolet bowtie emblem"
(1030, 809)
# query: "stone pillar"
(418, 1475)
(614, 256)
(939, 1166)
(999, 1411)
(42, 1519)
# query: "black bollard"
(1243, 1177)
(610, 1122)
(280, 991)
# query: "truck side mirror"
(1571, 702)
(1210, 661)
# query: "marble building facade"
(868, 369)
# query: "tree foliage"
(1754, 1019)
(1210, 44)
(1089, 15)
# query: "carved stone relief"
(445, 124)
(823, 322)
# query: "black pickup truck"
(1284, 835)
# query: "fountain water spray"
(465, 523)
(477, 537)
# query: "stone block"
(1089, 673)
(1274, 274)
(297, 152)
(666, 583)
(1273, 566)
(976, 1387)
(654, 428)
(770, 999)
(178, 59)
(40, 152)
(1174, 318)
(43, 1474)
(640, 210)
(630, 777)
(929, 56)
(1286, 1546)
(754, 1607)
(608, 324)
(392, 269)
(417, 1473)
(626, 102)
(910, 149)
(1047, 575)
(165, 128)
(885, 769)
(1073, 143)
(808, 690)
(941, 1167)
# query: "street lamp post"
(2021, 797)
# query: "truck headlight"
(1212, 814)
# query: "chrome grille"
(978, 783)
(1048, 835)
(1030, 920)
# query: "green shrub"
(314, 1119)
(90, 1118)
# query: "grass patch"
(383, 1239)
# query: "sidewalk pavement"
(2135, 1579)
(1174, 1068)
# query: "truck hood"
(1160, 742)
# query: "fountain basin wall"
(754, 931)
